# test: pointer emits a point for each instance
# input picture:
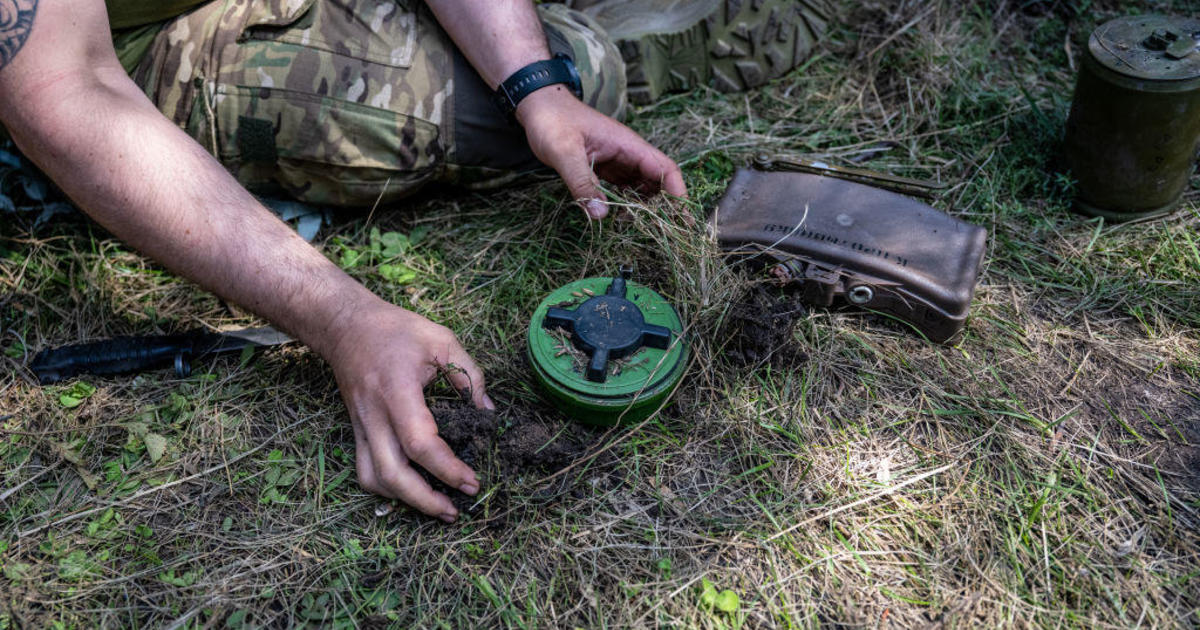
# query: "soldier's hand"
(583, 145)
(383, 359)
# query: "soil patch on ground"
(509, 445)
(539, 447)
(760, 327)
(520, 441)
(1159, 419)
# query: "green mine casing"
(1134, 128)
(642, 384)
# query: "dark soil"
(526, 443)
(1164, 411)
(505, 447)
(470, 432)
(533, 446)
(760, 327)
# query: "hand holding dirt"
(383, 362)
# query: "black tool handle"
(114, 356)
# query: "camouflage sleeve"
(16, 20)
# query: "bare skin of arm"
(500, 37)
(70, 107)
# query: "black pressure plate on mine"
(607, 350)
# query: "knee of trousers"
(601, 68)
(334, 102)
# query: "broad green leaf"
(350, 258)
(708, 593)
(727, 601)
(68, 452)
(75, 396)
(16, 571)
(397, 273)
(156, 446)
(272, 476)
(664, 566)
(76, 566)
(237, 619)
(83, 389)
(289, 477)
(394, 244)
(186, 579)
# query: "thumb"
(576, 171)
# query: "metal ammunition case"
(839, 240)
(1134, 128)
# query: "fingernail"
(448, 517)
(488, 404)
(469, 488)
(597, 209)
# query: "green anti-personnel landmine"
(607, 350)
(1134, 127)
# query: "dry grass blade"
(1040, 472)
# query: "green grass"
(1041, 471)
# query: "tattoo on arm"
(16, 20)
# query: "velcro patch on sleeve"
(256, 140)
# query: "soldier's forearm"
(498, 37)
(151, 185)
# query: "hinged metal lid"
(1151, 47)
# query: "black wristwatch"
(534, 77)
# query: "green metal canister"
(1134, 128)
(607, 350)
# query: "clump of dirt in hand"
(760, 326)
(470, 432)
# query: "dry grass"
(1041, 472)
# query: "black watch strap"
(534, 77)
